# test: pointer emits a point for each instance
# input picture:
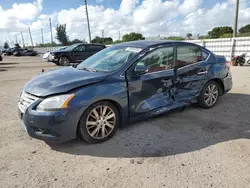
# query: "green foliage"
(117, 41)
(175, 38)
(61, 34)
(132, 37)
(217, 32)
(245, 29)
(100, 40)
(6, 45)
(189, 35)
(227, 35)
(244, 34)
(75, 41)
(203, 37)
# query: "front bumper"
(53, 58)
(58, 126)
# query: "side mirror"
(141, 69)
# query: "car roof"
(148, 43)
(90, 44)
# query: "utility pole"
(87, 14)
(51, 36)
(10, 40)
(31, 37)
(16, 39)
(42, 35)
(236, 17)
(119, 35)
(22, 38)
(103, 36)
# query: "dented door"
(191, 74)
(150, 93)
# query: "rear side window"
(204, 55)
(187, 55)
(94, 48)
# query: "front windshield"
(109, 59)
(70, 47)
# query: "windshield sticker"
(131, 49)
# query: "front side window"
(158, 60)
(109, 59)
(80, 48)
(187, 55)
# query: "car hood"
(62, 50)
(61, 81)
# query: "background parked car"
(75, 53)
(25, 52)
(29, 53)
(47, 55)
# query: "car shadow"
(173, 133)
(8, 63)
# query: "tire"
(99, 130)
(204, 96)
(248, 62)
(64, 61)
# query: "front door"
(150, 93)
(79, 53)
(191, 74)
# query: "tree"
(17, 46)
(132, 36)
(189, 35)
(6, 45)
(175, 38)
(61, 34)
(75, 41)
(218, 32)
(245, 29)
(100, 40)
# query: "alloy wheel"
(211, 94)
(65, 62)
(100, 122)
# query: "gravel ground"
(193, 148)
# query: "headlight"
(55, 103)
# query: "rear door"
(191, 73)
(92, 49)
(150, 93)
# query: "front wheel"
(99, 122)
(248, 62)
(64, 61)
(209, 95)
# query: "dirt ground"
(193, 148)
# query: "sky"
(152, 18)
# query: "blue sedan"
(122, 83)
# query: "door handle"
(202, 72)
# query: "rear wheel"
(99, 122)
(248, 62)
(209, 95)
(64, 61)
